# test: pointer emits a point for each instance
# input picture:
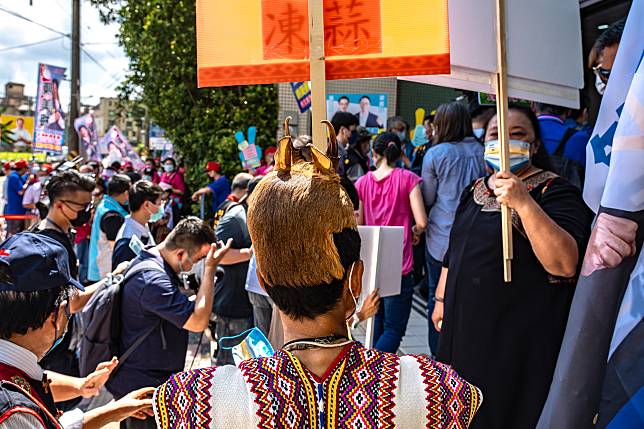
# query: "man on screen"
(343, 104)
(364, 116)
(20, 134)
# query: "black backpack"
(101, 321)
(567, 168)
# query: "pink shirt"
(175, 180)
(386, 202)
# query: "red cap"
(7, 165)
(20, 164)
(270, 150)
(128, 164)
(47, 167)
(213, 166)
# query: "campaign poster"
(369, 109)
(21, 131)
(302, 93)
(49, 133)
(86, 129)
(158, 140)
(119, 149)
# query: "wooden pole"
(501, 82)
(318, 73)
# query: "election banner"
(86, 129)
(361, 39)
(369, 109)
(158, 140)
(119, 149)
(49, 133)
(302, 93)
(21, 131)
(599, 378)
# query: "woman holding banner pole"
(505, 337)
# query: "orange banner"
(265, 41)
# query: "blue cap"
(35, 262)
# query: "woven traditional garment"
(363, 389)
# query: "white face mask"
(600, 85)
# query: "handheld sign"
(266, 41)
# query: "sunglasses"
(601, 72)
(81, 207)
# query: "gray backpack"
(101, 321)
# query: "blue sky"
(20, 65)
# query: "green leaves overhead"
(159, 38)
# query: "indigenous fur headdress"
(293, 214)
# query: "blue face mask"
(479, 132)
(420, 136)
(401, 135)
(157, 215)
(59, 340)
(519, 155)
(253, 345)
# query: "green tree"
(159, 37)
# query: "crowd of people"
(282, 254)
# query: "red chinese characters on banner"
(351, 27)
(285, 29)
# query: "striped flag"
(599, 379)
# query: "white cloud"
(20, 65)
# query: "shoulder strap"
(147, 265)
(564, 139)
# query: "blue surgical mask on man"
(58, 340)
(157, 215)
(519, 155)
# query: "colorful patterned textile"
(362, 389)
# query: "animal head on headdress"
(294, 212)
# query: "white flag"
(615, 153)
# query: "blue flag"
(599, 378)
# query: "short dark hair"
(143, 191)
(308, 302)
(343, 119)
(344, 97)
(452, 123)
(365, 96)
(118, 184)
(610, 37)
(23, 311)
(174, 163)
(549, 109)
(241, 181)
(64, 183)
(388, 145)
(190, 234)
(394, 120)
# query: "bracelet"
(439, 299)
(414, 230)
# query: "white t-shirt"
(32, 195)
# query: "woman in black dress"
(502, 337)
